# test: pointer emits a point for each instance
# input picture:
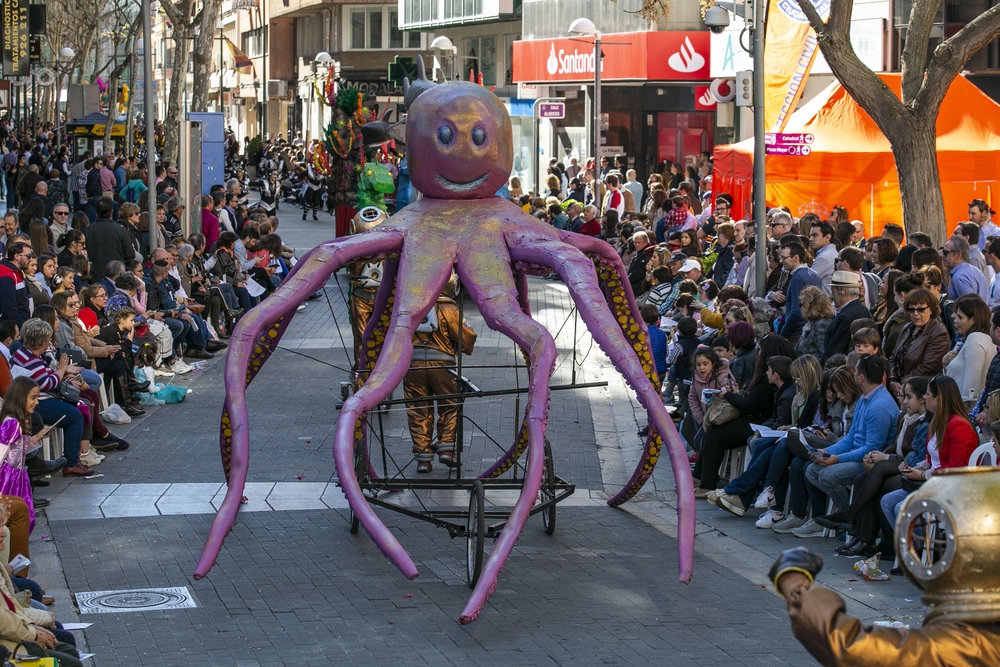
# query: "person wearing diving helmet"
(948, 540)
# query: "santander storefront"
(654, 94)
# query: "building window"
(421, 11)
(481, 58)
(255, 42)
(377, 28)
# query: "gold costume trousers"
(427, 378)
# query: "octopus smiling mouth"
(461, 187)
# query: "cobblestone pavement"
(293, 586)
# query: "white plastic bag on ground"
(115, 415)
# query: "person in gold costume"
(948, 536)
(365, 279)
(435, 347)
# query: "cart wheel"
(475, 533)
(355, 524)
(548, 491)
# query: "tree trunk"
(914, 147)
(203, 47)
(175, 102)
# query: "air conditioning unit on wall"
(277, 88)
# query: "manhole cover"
(145, 599)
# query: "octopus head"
(459, 143)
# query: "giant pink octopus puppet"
(458, 138)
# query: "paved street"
(293, 587)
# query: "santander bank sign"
(634, 56)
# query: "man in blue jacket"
(793, 257)
(832, 471)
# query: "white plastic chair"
(984, 455)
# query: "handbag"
(75, 355)
(720, 412)
(67, 392)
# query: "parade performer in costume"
(270, 191)
(365, 279)
(948, 538)
(435, 348)
(312, 192)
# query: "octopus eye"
(445, 134)
(478, 136)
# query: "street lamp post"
(586, 27)
(323, 59)
(442, 43)
(65, 54)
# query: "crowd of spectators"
(102, 306)
(865, 363)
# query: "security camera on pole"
(717, 19)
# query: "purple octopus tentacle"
(504, 463)
(501, 314)
(419, 285)
(246, 356)
(633, 360)
(375, 335)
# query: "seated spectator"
(807, 377)
(951, 439)
(710, 378)
(831, 471)
(816, 309)
(741, 339)
(882, 475)
(922, 343)
(15, 434)
(184, 325)
(108, 358)
(846, 291)
(229, 270)
(20, 624)
(38, 291)
(44, 273)
(969, 364)
(36, 338)
(72, 243)
(64, 280)
(81, 271)
(895, 322)
(755, 406)
(657, 339)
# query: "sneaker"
(713, 497)
(769, 518)
(765, 500)
(788, 524)
(837, 521)
(90, 459)
(809, 529)
(731, 504)
(163, 371)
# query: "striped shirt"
(47, 380)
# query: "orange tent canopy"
(851, 163)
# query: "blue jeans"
(800, 493)
(760, 460)
(179, 329)
(243, 296)
(777, 472)
(890, 504)
(92, 379)
(50, 410)
(199, 332)
(835, 481)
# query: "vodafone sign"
(632, 56)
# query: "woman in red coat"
(951, 438)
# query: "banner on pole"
(15, 38)
(789, 51)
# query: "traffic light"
(744, 88)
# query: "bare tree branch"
(914, 55)
(952, 54)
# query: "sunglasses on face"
(917, 309)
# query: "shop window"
(481, 57)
